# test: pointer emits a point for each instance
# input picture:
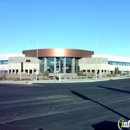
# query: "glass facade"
(2, 62)
(68, 65)
(119, 63)
(50, 64)
(42, 65)
(76, 65)
(61, 64)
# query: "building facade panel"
(71, 61)
(58, 53)
(29, 65)
(4, 61)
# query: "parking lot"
(64, 106)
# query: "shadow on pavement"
(114, 89)
(87, 98)
(40, 129)
(80, 95)
(106, 125)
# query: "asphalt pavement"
(64, 106)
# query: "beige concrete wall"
(26, 66)
(100, 64)
(94, 64)
(4, 67)
(98, 60)
(23, 59)
(29, 63)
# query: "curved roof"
(58, 53)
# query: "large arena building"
(64, 61)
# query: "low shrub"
(24, 74)
(103, 75)
(26, 79)
(15, 79)
(8, 79)
(40, 74)
(45, 78)
(111, 75)
(89, 77)
(80, 73)
(46, 73)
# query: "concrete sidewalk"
(79, 80)
(63, 80)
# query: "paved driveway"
(64, 106)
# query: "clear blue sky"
(65, 24)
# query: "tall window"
(61, 64)
(68, 65)
(76, 65)
(50, 64)
(42, 65)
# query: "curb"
(62, 81)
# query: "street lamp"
(36, 54)
(59, 71)
(96, 56)
(37, 46)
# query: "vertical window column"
(57, 64)
(42, 65)
(45, 64)
(76, 65)
(50, 66)
(68, 65)
(59, 68)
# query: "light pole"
(36, 55)
(96, 56)
(37, 46)
(59, 72)
(21, 70)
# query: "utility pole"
(59, 72)
(21, 70)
